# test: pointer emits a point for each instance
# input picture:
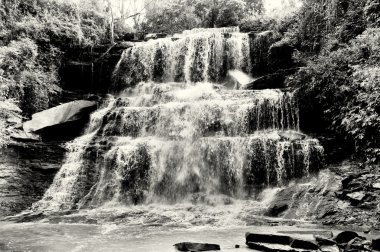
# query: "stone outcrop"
(27, 170)
(70, 118)
(344, 195)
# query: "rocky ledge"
(27, 170)
(343, 195)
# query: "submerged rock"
(190, 246)
(268, 238)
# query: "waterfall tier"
(199, 55)
(167, 142)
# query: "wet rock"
(26, 169)
(376, 186)
(14, 120)
(376, 244)
(280, 55)
(150, 36)
(190, 246)
(25, 136)
(276, 209)
(345, 237)
(303, 244)
(268, 238)
(357, 244)
(356, 197)
(322, 241)
(291, 135)
(274, 80)
(269, 247)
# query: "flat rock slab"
(190, 246)
(302, 244)
(67, 112)
(268, 238)
(271, 247)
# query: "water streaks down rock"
(164, 141)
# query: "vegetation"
(339, 44)
(34, 37)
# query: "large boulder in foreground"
(190, 246)
(63, 117)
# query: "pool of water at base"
(41, 237)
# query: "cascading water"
(164, 141)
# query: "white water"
(190, 152)
(199, 55)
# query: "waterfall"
(200, 55)
(173, 132)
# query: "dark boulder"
(280, 55)
(190, 246)
(269, 247)
(322, 241)
(268, 238)
(302, 244)
(345, 237)
(376, 244)
(277, 209)
(274, 80)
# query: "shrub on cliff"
(343, 87)
(35, 34)
(24, 79)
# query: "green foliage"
(176, 16)
(343, 87)
(170, 18)
(24, 78)
(230, 13)
(372, 13)
(57, 22)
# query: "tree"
(255, 6)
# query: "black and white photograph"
(189, 125)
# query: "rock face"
(343, 195)
(26, 169)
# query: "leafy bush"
(342, 86)
(24, 79)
